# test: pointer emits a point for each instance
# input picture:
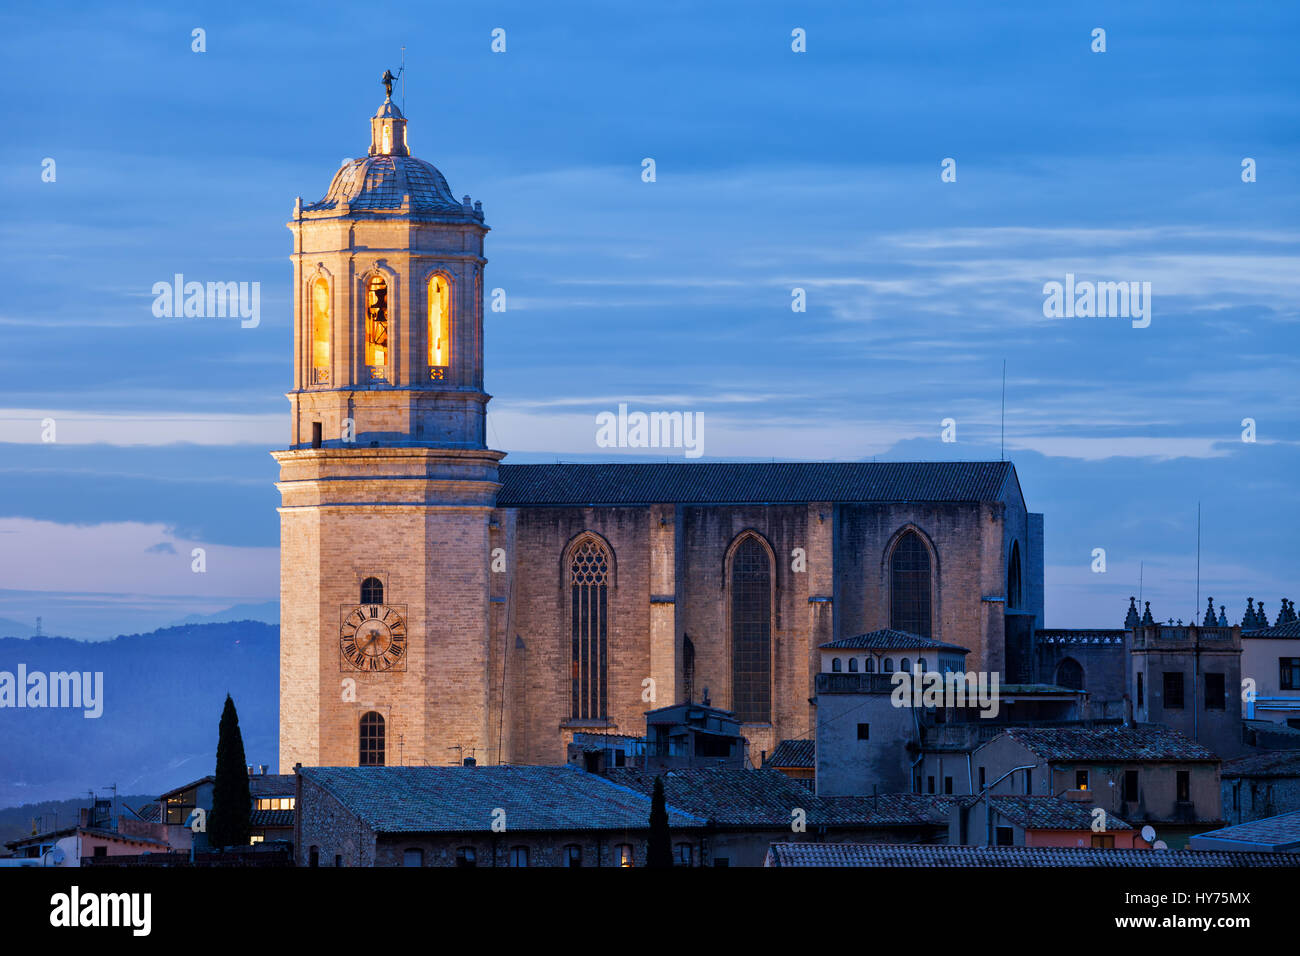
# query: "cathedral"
(438, 605)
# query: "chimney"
(261, 769)
(469, 762)
(251, 770)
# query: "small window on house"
(519, 856)
(317, 435)
(871, 665)
(1184, 786)
(1129, 790)
(1081, 780)
(905, 665)
(1029, 781)
(313, 856)
(573, 855)
(889, 665)
(372, 740)
(1103, 841)
(929, 784)
(685, 854)
(1006, 836)
(853, 665)
(465, 856)
(1173, 690)
(101, 851)
(1140, 689)
(1216, 697)
(413, 856)
(338, 859)
(1290, 673)
(947, 785)
(835, 665)
(920, 665)
(864, 731)
(623, 854)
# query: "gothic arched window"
(871, 665)
(439, 325)
(909, 575)
(1069, 673)
(751, 632)
(376, 322)
(372, 740)
(1014, 595)
(320, 332)
(372, 591)
(853, 665)
(835, 665)
(889, 665)
(589, 585)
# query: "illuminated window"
(909, 568)
(623, 853)
(275, 803)
(751, 632)
(320, 331)
(376, 322)
(257, 838)
(589, 657)
(372, 591)
(685, 856)
(439, 322)
(372, 740)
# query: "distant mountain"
(163, 694)
(267, 612)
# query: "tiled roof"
(889, 639)
(942, 855)
(1290, 629)
(462, 799)
(1269, 763)
(722, 482)
(150, 812)
(271, 785)
(271, 818)
(1045, 812)
(379, 183)
(1281, 832)
(1142, 742)
(890, 809)
(794, 753)
(730, 797)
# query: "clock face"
(373, 637)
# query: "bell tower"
(387, 486)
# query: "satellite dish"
(1159, 845)
(1149, 833)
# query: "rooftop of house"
(1290, 630)
(767, 483)
(1047, 812)
(1279, 834)
(943, 855)
(463, 799)
(795, 754)
(1268, 763)
(736, 797)
(889, 639)
(1142, 742)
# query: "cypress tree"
(659, 852)
(228, 824)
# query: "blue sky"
(775, 170)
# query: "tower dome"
(390, 181)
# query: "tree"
(228, 823)
(659, 852)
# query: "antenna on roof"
(1004, 410)
(1198, 559)
(402, 73)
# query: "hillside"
(163, 694)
